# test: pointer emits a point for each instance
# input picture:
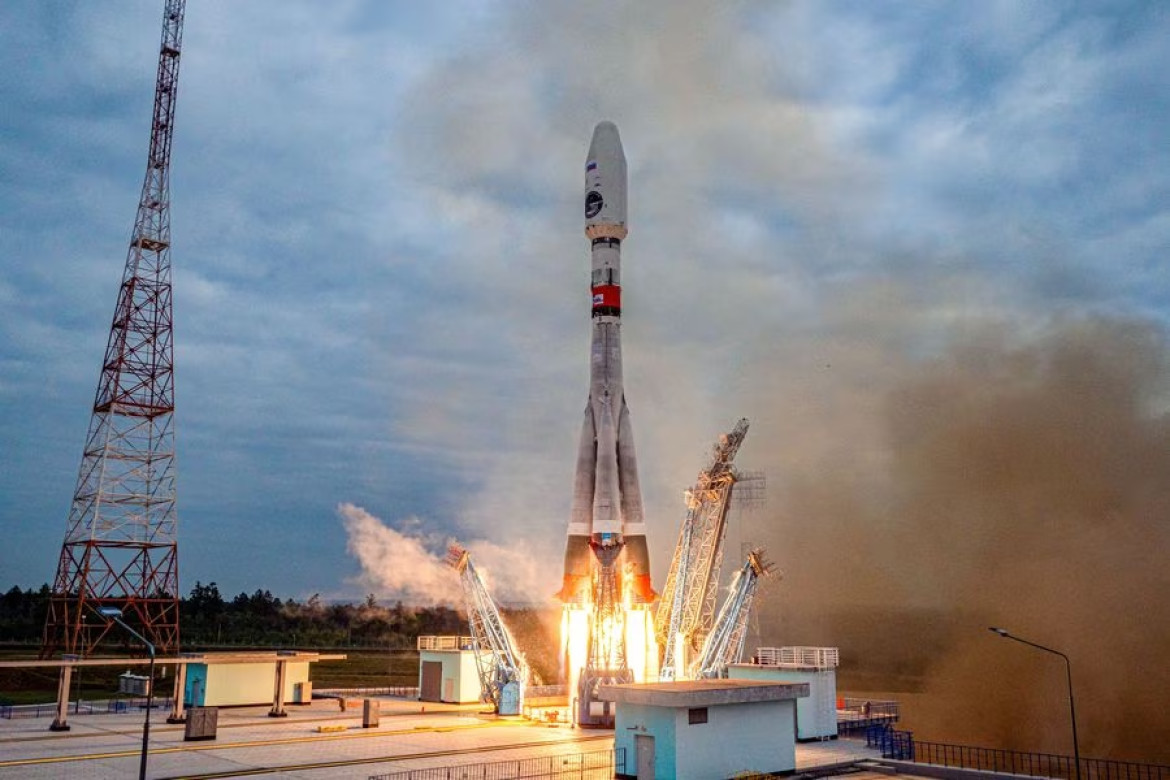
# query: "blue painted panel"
(195, 687)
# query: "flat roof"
(185, 658)
(702, 693)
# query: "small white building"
(816, 714)
(215, 681)
(447, 670)
(705, 729)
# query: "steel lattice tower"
(120, 545)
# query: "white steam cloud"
(410, 565)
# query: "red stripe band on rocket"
(607, 300)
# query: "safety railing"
(395, 691)
(97, 706)
(446, 643)
(854, 715)
(1035, 764)
(594, 765)
(799, 657)
(891, 742)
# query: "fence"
(397, 691)
(1035, 764)
(430, 642)
(799, 657)
(892, 743)
(859, 714)
(49, 710)
(595, 765)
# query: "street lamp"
(115, 614)
(1068, 670)
(77, 706)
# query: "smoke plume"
(1017, 479)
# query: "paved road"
(249, 743)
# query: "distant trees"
(261, 619)
(22, 614)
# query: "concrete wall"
(658, 722)
(227, 685)
(756, 736)
(460, 683)
(816, 714)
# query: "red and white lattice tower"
(120, 545)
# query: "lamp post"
(115, 614)
(1072, 708)
(77, 706)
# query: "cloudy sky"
(844, 215)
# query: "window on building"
(697, 715)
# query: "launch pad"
(318, 741)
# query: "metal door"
(432, 681)
(644, 746)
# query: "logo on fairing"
(593, 204)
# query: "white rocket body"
(607, 500)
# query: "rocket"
(607, 523)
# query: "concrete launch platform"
(249, 742)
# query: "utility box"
(302, 692)
(371, 712)
(201, 723)
(134, 684)
(511, 699)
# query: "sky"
(844, 216)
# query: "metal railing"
(429, 642)
(1035, 764)
(396, 691)
(859, 714)
(893, 744)
(97, 706)
(799, 657)
(595, 765)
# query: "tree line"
(260, 619)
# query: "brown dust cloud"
(1020, 478)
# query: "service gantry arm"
(502, 671)
(686, 610)
(724, 645)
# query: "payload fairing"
(607, 517)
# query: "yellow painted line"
(268, 770)
(234, 745)
(167, 729)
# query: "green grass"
(366, 669)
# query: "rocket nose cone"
(605, 183)
(606, 141)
